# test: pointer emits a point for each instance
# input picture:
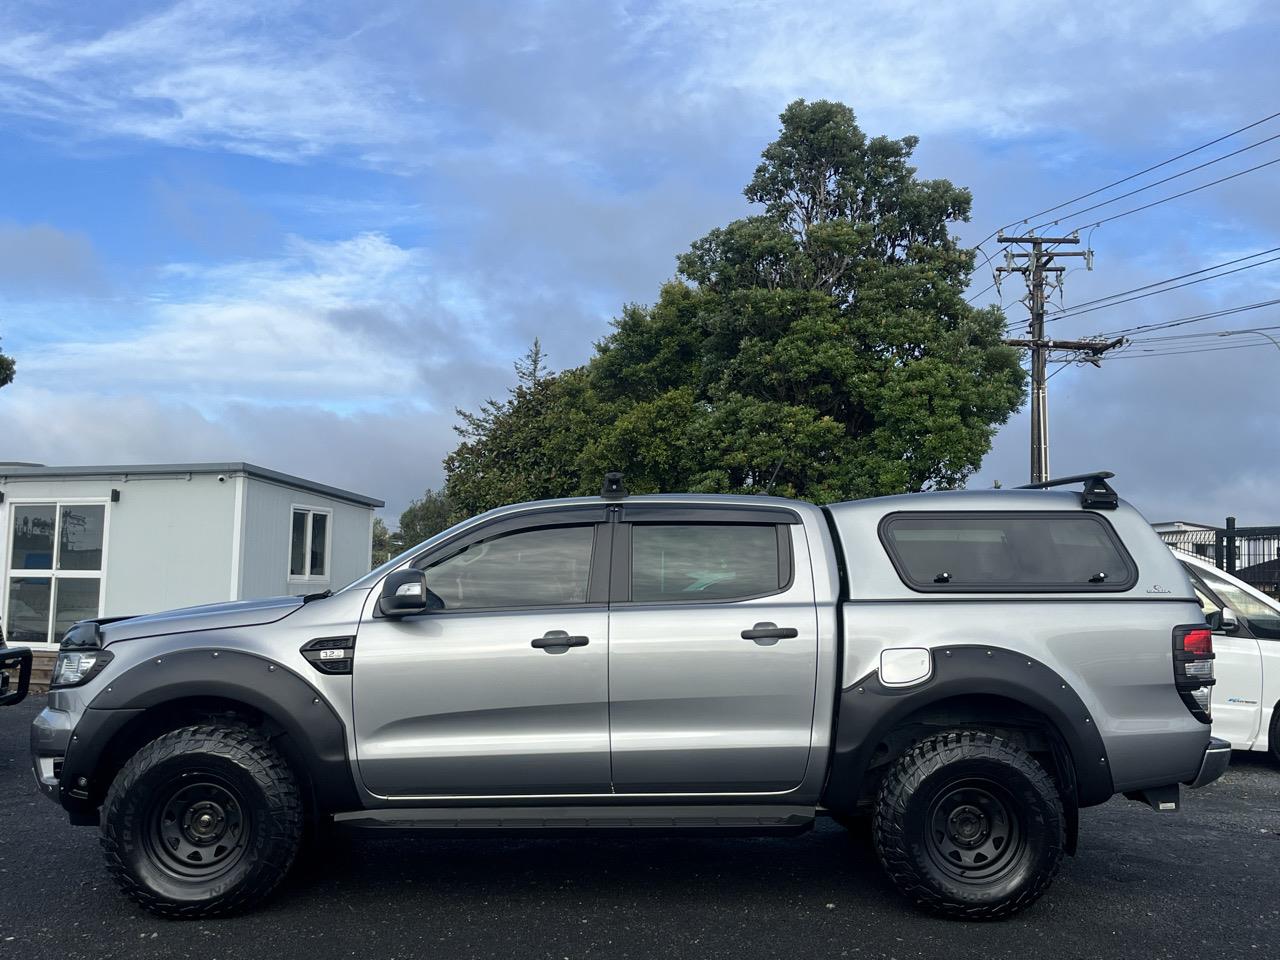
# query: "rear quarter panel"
(1114, 649)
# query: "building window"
(309, 544)
(55, 568)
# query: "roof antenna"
(768, 487)
(613, 488)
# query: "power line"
(1076, 312)
(1149, 186)
(1147, 355)
(1132, 176)
(989, 286)
(1176, 196)
(1181, 276)
(1206, 333)
(1195, 318)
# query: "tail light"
(1193, 668)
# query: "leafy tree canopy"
(383, 547)
(7, 367)
(821, 348)
(423, 518)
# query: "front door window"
(55, 569)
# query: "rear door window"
(710, 561)
(995, 552)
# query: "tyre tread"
(253, 753)
(909, 772)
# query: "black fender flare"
(868, 710)
(317, 736)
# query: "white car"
(1246, 640)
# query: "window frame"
(310, 577)
(586, 516)
(883, 530)
(1202, 584)
(8, 573)
(620, 570)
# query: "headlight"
(75, 667)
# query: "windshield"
(1263, 615)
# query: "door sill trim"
(751, 819)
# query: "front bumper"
(1217, 756)
(50, 736)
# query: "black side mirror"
(403, 593)
(1223, 621)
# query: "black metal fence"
(1250, 553)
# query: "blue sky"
(301, 234)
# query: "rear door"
(712, 651)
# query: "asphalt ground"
(1201, 883)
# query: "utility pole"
(1034, 265)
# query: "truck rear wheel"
(202, 821)
(969, 825)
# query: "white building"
(106, 541)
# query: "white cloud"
(1000, 68)
(317, 324)
(224, 73)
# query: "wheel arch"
(159, 695)
(988, 687)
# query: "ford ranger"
(964, 670)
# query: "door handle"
(557, 641)
(766, 634)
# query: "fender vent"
(330, 654)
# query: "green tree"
(820, 348)
(524, 447)
(7, 367)
(424, 517)
(384, 547)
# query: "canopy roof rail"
(1097, 493)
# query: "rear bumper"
(1217, 756)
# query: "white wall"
(167, 543)
(266, 525)
(172, 541)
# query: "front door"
(502, 689)
(1237, 662)
(712, 655)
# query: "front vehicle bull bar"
(12, 658)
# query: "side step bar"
(756, 820)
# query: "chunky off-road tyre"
(969, 825)
(202, 821)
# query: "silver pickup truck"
(962, 671)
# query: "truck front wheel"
(202, 821)
(969, 825)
